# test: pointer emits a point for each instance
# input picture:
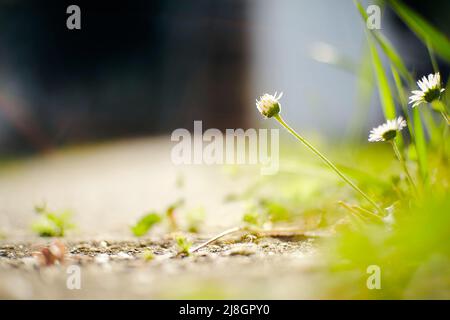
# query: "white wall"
(317, 96)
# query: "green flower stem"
(328, 162)
(439, 106)
(445, 116)
(402, 161)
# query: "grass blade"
(384, 90)
(421, 146)
(387, 47)
(365, 89)
(402, 99)
(426, 32)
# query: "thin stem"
(211, 240)
(283, 232)
(402, 161)
(439, 106)
(367, 212)
(328, 162)
(445, 116)
(354, 213)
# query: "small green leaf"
(251, 218)
(148, 255)
(144, 224)
(52, 224)
(276, 212)
(183, 245)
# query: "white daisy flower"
(387, 131)
(269, 105)
(430, 89)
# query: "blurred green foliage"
(183, 245)
(415, 242)
(195, 218)
(52, 223)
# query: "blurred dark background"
(139, 67)
(436, 12)
(135, 67)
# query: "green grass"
(412, 242)
(384, 89)
(423, 29)
(417, 237)
(410, 238)
(407, 239)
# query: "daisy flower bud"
(387, 131)
(269, 105)
(430, 90)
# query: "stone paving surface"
(109, 186)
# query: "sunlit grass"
(411, 222)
